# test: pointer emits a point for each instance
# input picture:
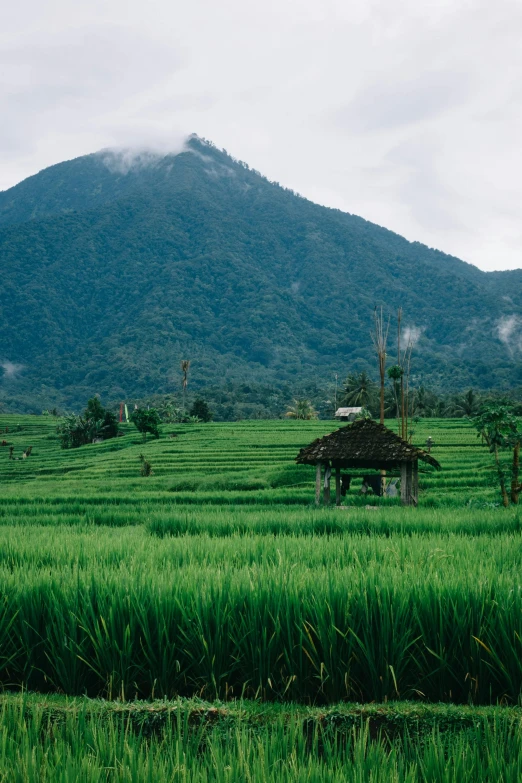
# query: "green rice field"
(215, 592)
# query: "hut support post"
(338, 486)
(415, 482)
(406, 483)
(326, 492)
(317, 483)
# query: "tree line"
(360, 390)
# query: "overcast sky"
(407, 113)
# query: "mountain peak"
(119, 263)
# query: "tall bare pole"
(379, 338)
(402, 432)
(185, 365)
(407, 363)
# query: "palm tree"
(467, 404)
(441, 409)
(301, 409)
(424, 402)
(360, 390)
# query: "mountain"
(115, 266)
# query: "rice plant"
(37, 744)
(217, 578)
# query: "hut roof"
(347, 411)
(363, 444)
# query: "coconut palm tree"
(301, 409)
(360, 390)
(424, 402)
(467, 404)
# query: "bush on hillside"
(146, 420)
(96, 423)
(200, 410)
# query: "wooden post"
(406, 483)
(415, 483)
(317, 483)
(338, 486)
(326, 490)
(410, 483)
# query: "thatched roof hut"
(366, 444)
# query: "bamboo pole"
(399, 318)
(380, 338)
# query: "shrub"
(201, 410)
(95, 423)
(146, 420)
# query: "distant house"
(347, 414)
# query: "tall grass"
(35, 748)
(382, 628)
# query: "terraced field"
(243, 463)
(218, 579)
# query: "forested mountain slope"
(114, 268)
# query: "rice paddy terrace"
(216, 579)
(222, 463)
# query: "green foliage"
(146, 420)
(360, 391)
(466, 404)
(200, 410)
(96, 423)
(218, 577)
(425, 403)
(56, 739)
(146, 467)
(238, 256)
(497, 425)
(238, 401)
(179, 616)
(395, 372)
(122, 587)
(500, 429)
(301, 409)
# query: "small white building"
(347, 414)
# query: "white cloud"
(406, 113)
(11, 369)
(411, 335)
(509, 332)
(121, 160)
